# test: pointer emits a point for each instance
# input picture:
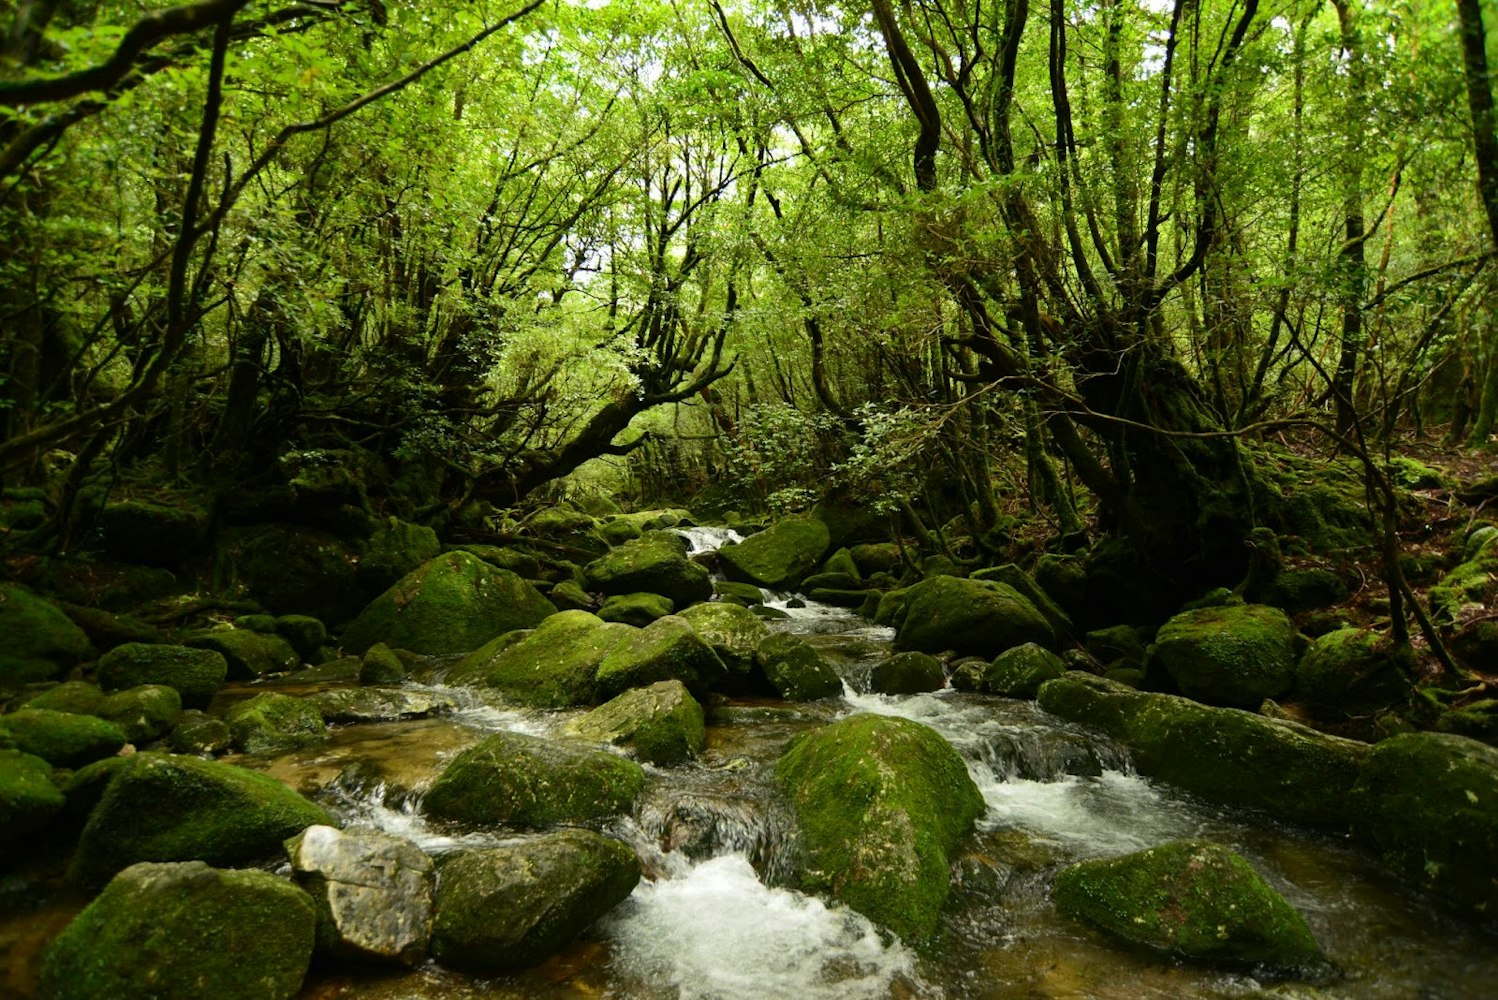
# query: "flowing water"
(713, 919)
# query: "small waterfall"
(700, 540)
(676, 828)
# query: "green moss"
(795, 669)
(1193, 899)
(453, 604)
(745, 593)
(380, 665)
(882, 805)
(40, 641)
(145, 713)
(61, 738)
(662, 722)
(1019, 672)
(666, 649)
(248, 654)
(969, 616)
(177, 931)
(733, 632)
(305, 634)
(526, 781)
(554, 666)
(293, 569)
(159, 807)
(907, 673)
(395, 549)
(638, 610)
(199, 733)
(779, 557)
(194, 673)
(1474, 581)
(28, 798)
(1428, 803)
(1236, 655)
(78, 697)
(842, 561)
(655, 563)
(1026, 586)
(1352, 671)
(272, 723)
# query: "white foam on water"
(718, 933)
(708, 539)
(1115, 813)
(370, 810)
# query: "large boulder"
(1222, 754)
(1025, 584)
(882, 804)
(662, 722)
(795, 669)
(907, 673)
(40, 641)
(980, 617)
(452, 604)
(1351, 671)
(779, 557)
(62, 739)
(373, 893)
(502, 909)
(526, 781)
(159, 807)
(144, 713)
(272, 723)
(1019, 672)
(1192, 899)
(182, 932)
(248, 654)
(555, 666)
(638, 610)
(1428, 803)
(153, 534)
(1236, 655)
(294, 569)
(195, 674)
(734, 632)
(666, 649)
(656, 563)
(28, 798)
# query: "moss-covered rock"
(159, 807)
(733, 632)
(502, 909)
(1011, 574)
(248, 654)
(153, 534)
(1019, 672)
(1352, 671)
(656, 563)
(666, 649)
(380, 665)
(569, 595)
(1307, 589)
(882, 805)
(1192, 899)
(795, 669)
(144, 713)
(40, 641)
(305, 634)
(907, 673)
(1236, 655)
(968, 616)
(554, 666)
(395, 549)
(195, 674)
(746, 594)
(1473, 581)
(842, 561)
(78, 697)
(273, 723)
(28, 798)
(638, 610)
(779, 557)
(107, 630)
(662, 723)
(199, 733)
(181, 932)
(294, 569)
(62, 739)
(527, 781)
(875, 557)
(1428, 803)
(1222, 754)
(452, 604)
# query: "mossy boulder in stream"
(40, 641)
(452, 604)
(62, 739)
(183, 932)
(1222, 754)
(656, 563)
(795, 669)
(734, 632)
(1352, 671)
(273, 723)
(502, 909)
(1019, 672)
(1192, 899)
(1236, 655)
(527, 781)
(145, 713)
(160, 807)
(554, 666)
(666, 649)
(195, 674)
(1428, 803)
(907, 673)
(249, 654)
(638, 610)
(779, 557)
(882, 805)
(662, 722)
(981, 617)
(28, 798)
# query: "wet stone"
(379, 704)
(373, 893)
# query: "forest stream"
(711, 920)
